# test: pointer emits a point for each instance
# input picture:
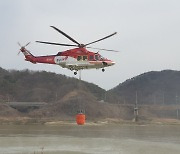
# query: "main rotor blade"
(69, 45)
(27, 44)
(19, 52)
(70, 38)
(103, 49)
(101, 39)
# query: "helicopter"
(75, 59)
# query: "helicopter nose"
(112, 63)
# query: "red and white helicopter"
(75, 59)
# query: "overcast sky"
(148, 34)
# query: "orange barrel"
(80, 118)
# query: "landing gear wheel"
(75, 73)
(103, 70)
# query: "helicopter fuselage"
(73, 59)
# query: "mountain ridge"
(160, 87)
(65, 96)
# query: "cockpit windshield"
(99, 57)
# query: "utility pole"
(136, 109)
(177, 110)
(177, 113)
(163, 98)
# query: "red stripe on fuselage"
(45, 59)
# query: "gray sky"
(148, 34)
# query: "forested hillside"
(154, 87)
(41, 86)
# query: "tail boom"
(40, 59)
(28, 55)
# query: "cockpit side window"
(96, 57)
(79, 58)
(91, 57)
(84, 57)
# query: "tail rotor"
(19, 44)
(22, 47)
